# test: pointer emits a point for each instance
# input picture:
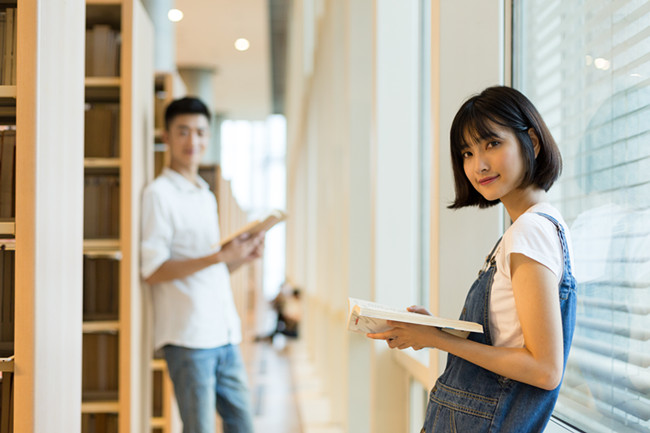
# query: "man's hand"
(241, 250)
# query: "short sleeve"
(157, 233)
(535, 237)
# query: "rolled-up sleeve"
(156, 233)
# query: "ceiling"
(249, 84)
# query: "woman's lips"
(487, 180)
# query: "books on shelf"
(256, 226)
(100, 289)
(7, 301)
(369, 317)
(101, 206)
(100, 377)
(7, 173)
(102, 130)
(7, 402)
(102, 51)
(8, 46)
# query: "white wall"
(470, 58)
(352, 111)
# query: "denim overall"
(468, 398)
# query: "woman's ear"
(535, 139)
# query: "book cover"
(256, 226)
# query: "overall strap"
(560, 230)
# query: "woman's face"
(494, 165)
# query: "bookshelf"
(163, 91)
(162, 396)
(8, 91)
(118, 134)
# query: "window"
(586, 66)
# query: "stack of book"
(101, 206)
(7, 277)
(99, 379)
(102, 51)
(7, 173)
(7, 401)
(101, 282)
(102, 130)
(8, 47)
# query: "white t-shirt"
(180, 221)
(535, 237)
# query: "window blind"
(585, 64)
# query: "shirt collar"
(182, 183)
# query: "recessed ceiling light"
(602, 64)
(242, 44)
(175, 15)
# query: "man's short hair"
(186, 105)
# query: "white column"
(49, 215)
(164, 34)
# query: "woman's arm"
(539, 363)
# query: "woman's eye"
(466, 155)
(492, 144)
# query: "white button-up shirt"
(180, 221)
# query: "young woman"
(508, 378)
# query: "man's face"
(188, 137)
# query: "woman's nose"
(481, 164)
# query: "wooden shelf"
(103, 82)
(103, 89)
(103, 254)
(99, 246)
(7, 364)
(158, 365)
(8, 244)
(8, 92)
(105, 326)
(108, 406)
(7, 227)
(158, 422)
(104, 2)
(102, 163)
(159, 146)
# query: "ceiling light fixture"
(242, 44)
(602, 64)
(175, 15)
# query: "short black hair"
(507, 107)
(186, 105)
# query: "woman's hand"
(405, 335)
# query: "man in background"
(195, 320)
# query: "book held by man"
(369, 317)
(256, 226)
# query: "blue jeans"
(205, 379)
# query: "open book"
(256, 226)
(370, 317)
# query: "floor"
(273, 392)
(288, 394)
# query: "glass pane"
(586, 67)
